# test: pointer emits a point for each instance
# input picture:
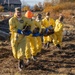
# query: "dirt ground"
(50, 61)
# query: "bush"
(1, 8)
(25, 8)
(59, 7)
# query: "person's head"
(48, 15)
(61, 18)
(39, 17)
(29, 14)
(18, 12)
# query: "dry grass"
(66, 9)
(59, 7)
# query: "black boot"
(34, 58)
(58, 46)
(44, 45)
(28, 62)
(21, 65)
(48, 44)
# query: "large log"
(4, 35)
(4, 25)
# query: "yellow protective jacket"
(46, 23)
(38, 40)
(58, 33)
(58, 27)
(18, 40)
(36, 24)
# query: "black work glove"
(36, 30)
(50, 30)
(43, 32)
(26, 30)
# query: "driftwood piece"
(4, 35)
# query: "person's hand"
(44, 32)
(27, 33)
(36, 30)
(26, 30)
(36, 35)
(19, 31)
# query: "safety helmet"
(29, 14)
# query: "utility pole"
(8, 4)
(23, 2)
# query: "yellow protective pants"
(38, 43)
(51, 37)
(30, 47)
(18, 46)
(46, 39)
(57, 39)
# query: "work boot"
(21, 65)
(28, 61)
(44, 45)
(33, 58)
(58, 46)
(48, 44)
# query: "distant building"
(10, 4)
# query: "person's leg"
(33, 47)
(28, 50)
(21, 64)
(14, 48)
(39, 43)
(59, 41)
(46, 40)
(21, 53)
(55, 39)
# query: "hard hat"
(29, 14)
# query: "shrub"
(1, 8)
(25, 8)
(59, 7)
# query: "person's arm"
(27, 26)
(52, 22)
(43, 23)
(38, 24)
(12, 26)
(59, 28)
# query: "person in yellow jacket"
(47, 22)
(18, 41)
(31, 50)
(38, 40)
(57, 40)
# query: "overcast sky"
(31, 2)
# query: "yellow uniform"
(33, 44)
(38, 38)
(18, 41)
(46, 23)
(30, 47)
(58, 33)
(30, 44)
